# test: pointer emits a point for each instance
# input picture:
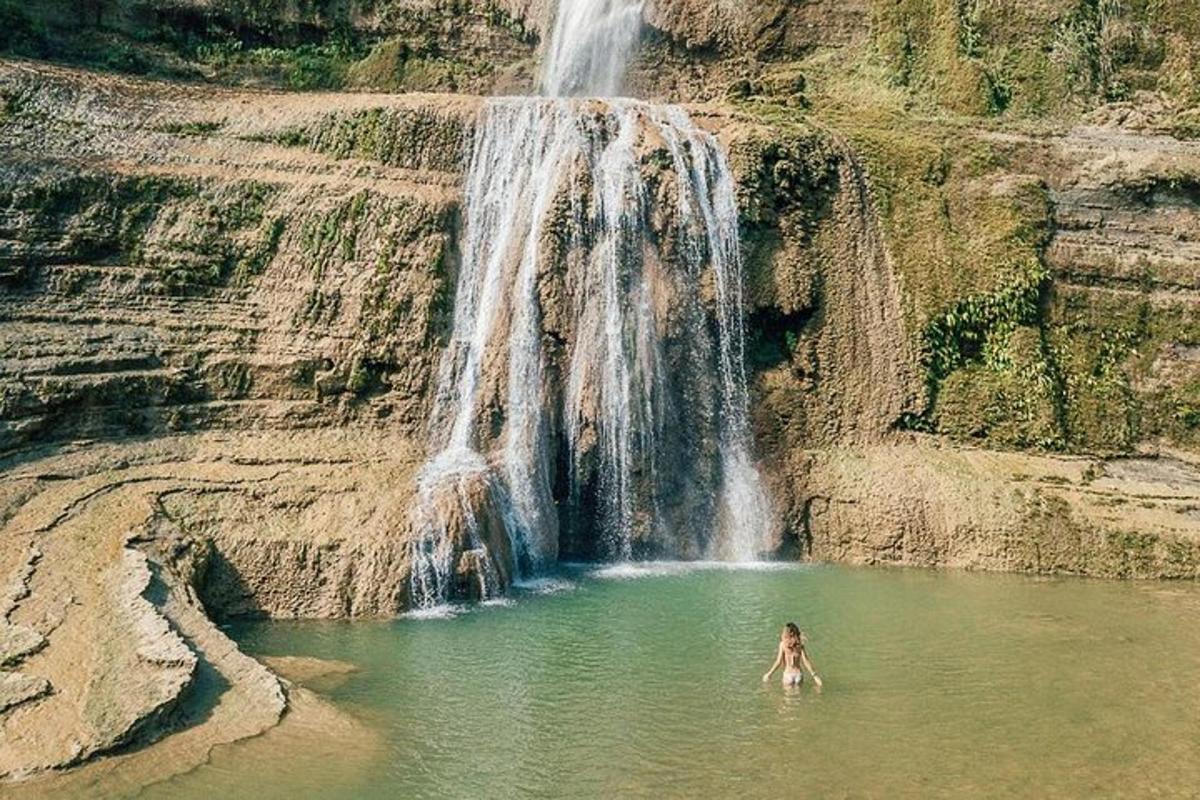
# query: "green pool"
(645, 682)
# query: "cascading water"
(590, 46)
(630, 209)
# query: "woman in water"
(793, 658)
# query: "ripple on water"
(937, 684)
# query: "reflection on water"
(936, 684)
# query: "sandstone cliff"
(973, 293)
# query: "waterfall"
(631, 208)
(590, 45)
(745, 506)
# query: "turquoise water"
(646, 683)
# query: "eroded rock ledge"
(107, 643)
(308, 524)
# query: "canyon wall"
(972, 275)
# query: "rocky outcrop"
(16, 688)
(691, 50)
(915, 505)
(127, 652)
(223, 279)
(1125, 258)
(837, 362)
(1098, 356)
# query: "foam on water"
(545, 586)
(656, 569)
(446, 611)
(439, 611)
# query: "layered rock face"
(155, 283)
(179, 260)
(106, 644)
(208, 274)
(691, 50)
(223, 313)
(1125, 257)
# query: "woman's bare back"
(792, 657)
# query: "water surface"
(645, 682)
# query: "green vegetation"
(332, 235)
(193, 235)
(260, 253)
(300, 45)
(97, 218)
(1187, 408)
(1109, 347)
(21, 34)
(397, 137)
(393, 65)
(10, 107)
(1011, 359)
(1038, 58)
(365, 376)
(421, 55)
(977, 328)
(290, 137)
(218, 237)
(304, 67)
(191, 128)
(320, 306)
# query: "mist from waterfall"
(559, 181)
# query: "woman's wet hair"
(793, 637)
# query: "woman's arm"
(804, 659)
(774, 666)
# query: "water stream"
(639, 398)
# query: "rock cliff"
(973, 305)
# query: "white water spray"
(548, 176)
